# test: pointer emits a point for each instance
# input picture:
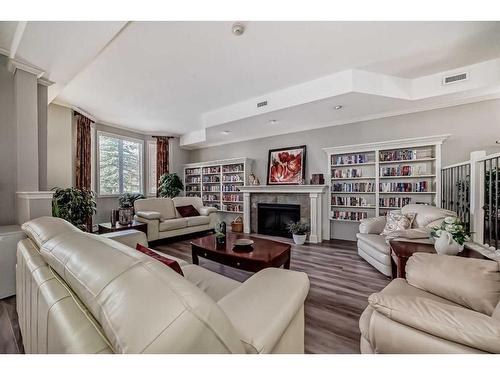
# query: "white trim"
(16, 40)
(215, 162)
(45, 82)
(387, 145)
(488, 157)
(456, 165)
(35, 194)
(82, 112)
(16, 64)
(298, 189)
(98, 161)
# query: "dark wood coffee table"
(402, 250)
(265, 253)
(108, 228)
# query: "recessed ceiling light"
(225, 132)
(337, 107)
(272, 122)
(238, 29)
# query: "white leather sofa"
(164, 220)
(83, 293)
(447, 304)
(375, 249)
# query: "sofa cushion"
(160, 258)
(44, 228)
(196, 202)
(197, 220)
(172, 224)
(187, 211)
(474, 283)
(376, 241)
(150, 215)
(165, 206)
(116, 283)
(397, 221)
(426, 215)
(215, 285)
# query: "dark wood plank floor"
(340, 284)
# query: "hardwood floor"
(340, 284)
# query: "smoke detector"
(238, 29)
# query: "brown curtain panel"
(162, 151)
(83, 152)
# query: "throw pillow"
(396, 221)
(188, 211)
(166, 261)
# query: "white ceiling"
(169, 77)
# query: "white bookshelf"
(368, 180)
(217, 182)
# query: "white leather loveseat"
(374, 248)
(165, 221)
(83, 293)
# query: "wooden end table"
(266, 253)
(402, 250)
(108, 228)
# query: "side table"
(108, 228)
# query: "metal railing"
(491, 191)
(455, 190)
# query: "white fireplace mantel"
(315, 195)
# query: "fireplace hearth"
(272, 218)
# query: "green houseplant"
(450, 236)
(299, 230)
(170, 185)
(74, 205)
(126, 203)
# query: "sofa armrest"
(262, 308)
(205, 211)
(474, 283)
(372, 225)
(409, 234)
(150, 215)
(448, 322)
(130, 237)
(153, 227)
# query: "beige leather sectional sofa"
(375, 249)
(164, 220)
(447, 304)
(83, 293)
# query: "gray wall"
(8, 148)
(59, 147)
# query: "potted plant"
(170, 185)
(126, 203)
(299, 231)
(450, 236)
(74, 205)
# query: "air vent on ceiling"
(262, 104)
(455, 78)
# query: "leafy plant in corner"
(127, 200)
(74, 205)
(300, 227)
(170, 185)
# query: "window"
(151, 182)
(119, 164)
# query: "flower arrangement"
(455, 227)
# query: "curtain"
(83, 152)
(162, 151)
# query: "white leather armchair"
(446, 304)
(375, 249)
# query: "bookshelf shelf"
(406, 164)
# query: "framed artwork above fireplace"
(286, 166)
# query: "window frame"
(149, 193)
(98, 161)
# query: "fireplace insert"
(272, 218)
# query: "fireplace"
(272, 218)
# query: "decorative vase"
(114, 216)
(446, 245)
(125, 216)
(299, 239)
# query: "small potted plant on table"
(126, 202)
(450, 236)
(299, 231)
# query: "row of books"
(397, 155)
(229, 188)
(233, 168)
(403, 170)
(232, 207)
(349, 215)
(208, 170)
(211, 197)
(232, 178)
(213, 204)
(350, 159)
(346, 173)
(193, 180)
(192, 194)
(365, 187)
(231, 197)
(397, 202)
(398, 187)
(192, 188)
(211, 179)
(212, 188)
(349, 201)
(192, 171)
